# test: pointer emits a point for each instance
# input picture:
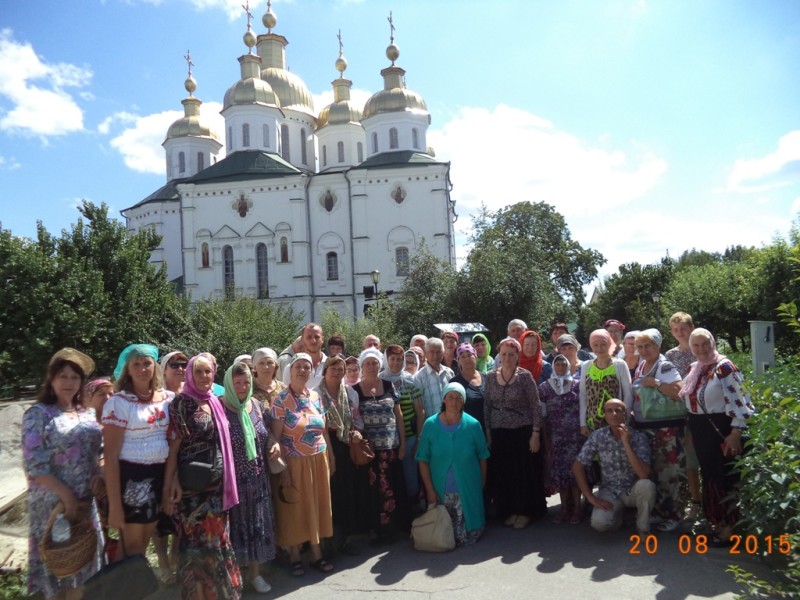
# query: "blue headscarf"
(133, 351)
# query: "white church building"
(293, 205)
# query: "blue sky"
(652, 126)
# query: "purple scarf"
(230, 493)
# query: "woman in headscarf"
(265, 386)
(472, 380)
(199, 433)
(252, 525)
(413, 366)
(483, 353)
(568, 346)
(559, 395)
(410, 405)
(452, 462)
(173, 368)
(96, 393)
(629, 353)
(603, 378)
(718, 412)
(531, 357)
(349, 485)
(303, 505)
(60, 449)
(513, 426)
(656, 377)
(379, 406)
(135, 446)
(411, 362)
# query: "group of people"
(235, 473)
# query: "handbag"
(197, 475)
(656, 406)
(128, 579)
(432, 531)
(361, 453)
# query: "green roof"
(165, 192)
(398, 159)
(245, 165)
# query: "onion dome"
(341, 110)
(291, 91)
(190, 125)
(250, 89)
(394, 97)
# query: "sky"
(653, 126)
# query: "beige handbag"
(433, 530)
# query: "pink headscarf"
(699, 368)
(230, 492)
(602, 333)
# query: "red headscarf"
(531, 363)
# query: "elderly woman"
(96, 393)
(379, 406)
(173, 368)
(60, 449)
(472, 380)
(629, 354)
(483, 352)
(252, 526)
(656, 385)
(559, 395)
(531, 357)
(349, 484)
(603, 378)
(135, 422)
(452, 463)
(718, 412)
(410, 362)
(410, 406)
(352, 373)
(303, 505)
(450, 341)
(199, 433)
(513, 422)
(265, 386)
(568, 346)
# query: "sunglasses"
(178, 365)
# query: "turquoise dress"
(460, 450)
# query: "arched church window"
(228, 280)
(265, 133)
(303, 153)
(360, 150)
(285, 142)
(393, 143)
(332, 260)
(415, 137)
(324, 156)
(246, 135)
(401, 261)
(284, 250)
(262, 271)
(200, 165)
(340, 151)
(204, 254)
(374, 143)
(181, 162)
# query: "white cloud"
(794, 209)
(776, 169)
(139, 138)
(9, 163)
(232, 8)
(36, 91)
(507, 155)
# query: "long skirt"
(309, 519)
(350, 494)
(252, 521)
(720, 501)
(518, 473)
(389, 510)
(206, 555)
(667, 455)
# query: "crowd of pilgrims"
(448, 422)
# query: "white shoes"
(260, 585)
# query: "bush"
(770, 476)
(380, 322)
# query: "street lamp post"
(376, 277)
(656, 301)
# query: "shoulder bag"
(432, 531)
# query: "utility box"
(762, 337)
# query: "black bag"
(128, 579)
(199, 475)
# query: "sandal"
(321, 565)
(297, 569)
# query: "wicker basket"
(63, 560)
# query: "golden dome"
(250, 91)
(290, 89)
(338, 113)
(394, 100)
(190, 125)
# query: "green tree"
(524, 264)
(381, 321)
(428, 295)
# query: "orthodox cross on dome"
(246, 8)
(341, 45)
(188, 59)
(391, 28)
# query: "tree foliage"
(381, 321)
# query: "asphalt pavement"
(543, 561)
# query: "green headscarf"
(244, 418)
(485, 364)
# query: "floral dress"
(252, 521)
(206, 554)
(564, 432)
(67, 446)
(389, 510)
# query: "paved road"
(543, 561)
